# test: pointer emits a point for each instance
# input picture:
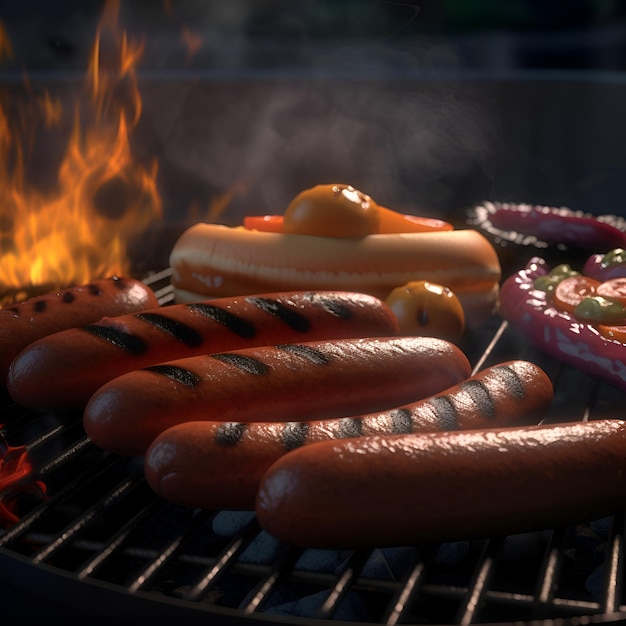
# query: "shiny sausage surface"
(63, 370)
(405, 489)
(25, 322)
(219, 465)
(297, 381)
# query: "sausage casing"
(23, 323)
(405, 489)
(63, 370)
(219, 465)
(298, 381)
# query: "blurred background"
(429, 106)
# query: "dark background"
(428, 106)
(319, 34)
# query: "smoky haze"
(277, 96)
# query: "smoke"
(419, 144)
(279, 96)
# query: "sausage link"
(219, 465)
(65, 369)
(40, 316)
(309, 380)
(406, 489)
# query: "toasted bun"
(211, 260)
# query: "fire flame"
(192, 41)
(103, 196)
(15, 480)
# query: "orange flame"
(103, 195)
(192, 41)
(15, 479)
(5, 45)
(51, 109)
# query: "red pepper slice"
(618, 333)
(266, 223)
(569, 292)
(615, 289)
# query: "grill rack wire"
(102, 542)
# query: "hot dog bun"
(212, 260)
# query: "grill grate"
(102, 537)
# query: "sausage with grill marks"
(405, 489)
(23, 323)
(308, 380)
(217, 465)
(65, 369)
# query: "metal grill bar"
(552, 565)
(269, 582)
(343, 584)
(167, 553)
(614, 566)
(224, 562)
(92, 565)
(80, 482)
(80, 522)
(411, 586)
(478, 586)
(60, 460)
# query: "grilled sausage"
(309, 380)
(65, 369)
(405, 489)
(219, 465)
(26, 322)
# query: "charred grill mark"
(513, 382)
(182, 332)
(39, 306)
(94, 290)
(350, 427)
(123, 340)
(177, 374)
(401, 422)
(294, 435)
(244, 363)
(229, 433)
(336, 307)
(479, 393)
(306, 352)
(68, 297)
(233, 322)
(285, 314)
(445, 411)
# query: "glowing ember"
(103, 196)
(15, 470)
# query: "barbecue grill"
(424, 129)
(100, 542)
